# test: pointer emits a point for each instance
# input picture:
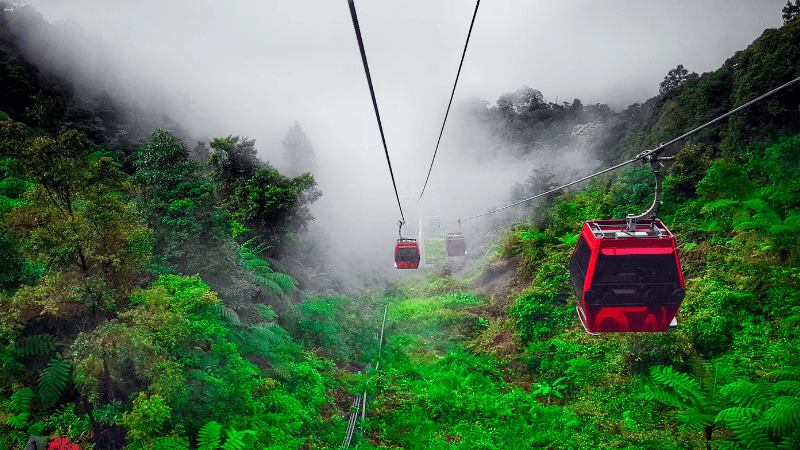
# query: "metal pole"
(423, 258)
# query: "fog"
(254, 68)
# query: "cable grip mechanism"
(659, 171)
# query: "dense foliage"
(143, 303)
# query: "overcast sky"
(252, 68)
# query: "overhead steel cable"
(554, 189)
(451, 97)
(656, 151)
(374, 102)
(645, 155)
(437, 210)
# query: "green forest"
(146, 301)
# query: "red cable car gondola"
(626, 273)
(455, 244)
(626, 281)
(406, 252)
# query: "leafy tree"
(146, 421)
(233, 162)
(790, 11)
(675, 79)
(77, 221)
(298, 151)
(179, 204)
(522, 100)
(273, 206)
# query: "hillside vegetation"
(146, 301)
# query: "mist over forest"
(170, 281)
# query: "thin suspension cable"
(555, 189)
(451, 97)
(437, 210)
(645, 154)
(374, 102)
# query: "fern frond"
(282, 370)
(791, 388)
(791, 442)
(276, 265)
(238, 440)
(744, 422)
(209, 436)
(268, 284)
(685, 389)
(284, 281)
(756, 204)
(784, 417)
(729, 445)
(750, 395)
(53, 381)
(255, 264)
(38, 344)
(20, 402)
(793, 220)
(723, 203)
(228, 313)
(171, 443)
(695, 419)
(267, 311)
(788, 374)
(664, 396)
(19, 421)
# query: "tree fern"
(53, 381)
(209, 436)
(699, 397)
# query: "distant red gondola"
(455, 244)
(626, 281)
(406, 254)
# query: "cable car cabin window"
(578, 265)
(407, 254)
(635, 280)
